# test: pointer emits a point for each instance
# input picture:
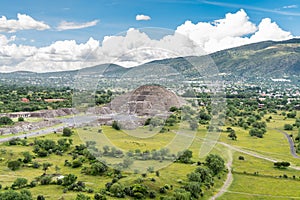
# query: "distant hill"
(264, 59)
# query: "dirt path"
(254, 154)
(228, 180)
(291, 143)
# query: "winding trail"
(291, 143)
(228, 180)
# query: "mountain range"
(268, 59)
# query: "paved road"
(65, 122)
(291, 143)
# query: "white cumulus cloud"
(24, 22)
(268, 30)
(64, 25)
(142, 17)
(231, 31)
(4, 40)
(136, 47)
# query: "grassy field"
(265, 185)
(255, 187)
(170, 174)
(274, 144)
(268, 183)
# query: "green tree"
(67, 132)
(40, 197)
(27, 157)
(6, 121)
(205, 174)
(69, 179)
(76, 164)
(13, 195)
(21, 119)
(46, 166)
(45, 180)
(281, 164)
(97, 168)
(115, 125)
(185, 156)
(194, 177)
(215, 163)
(181, 194)
(81, 196)
(19, 182)
(288, 127)
(117, 190)
(194, 188)
(232, 135)
(14, 165)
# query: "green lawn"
(169, 174)
(255, 187)
(264, 186)
(274, 144)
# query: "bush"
(40, 197)
(173, 109)
(14, 141)
(288, 127)
(6, 121)
(82, 197)
(45, 180)
(76, 164)
(69, 179)
(215, 163)
(117, 190)
(67, 132)
(185, 156)
(291, 115)
(13, 195)
(14, 165)
(21, 119)
(115, 125)
(281, 164)
(99, 196)
(19, 182)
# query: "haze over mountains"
(267, 59)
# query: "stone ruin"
(133, 108)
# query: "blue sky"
(118, 15)
(60, 33)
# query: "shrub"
(76, 164)
(14, 165)
(6, 121)
(115, 125)
(288, 127)
(67, 132)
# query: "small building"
(25, 100)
